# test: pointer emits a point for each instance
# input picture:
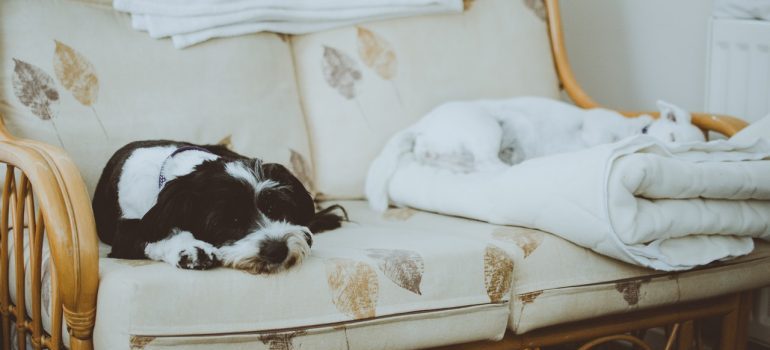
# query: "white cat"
(490, 135)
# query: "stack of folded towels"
(189, 22)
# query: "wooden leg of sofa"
(686, 335)
(81, 344)
(735, 324)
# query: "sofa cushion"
(359, 273)
(69, 68)
(556, 281)
(361, 84)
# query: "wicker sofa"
(77, 83)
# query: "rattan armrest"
(48, 177)
(726, 125)
(723, 124)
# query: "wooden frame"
(49, 181)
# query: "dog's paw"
(201, 256)
(182, 250)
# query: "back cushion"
(75, 74)
(361, 84)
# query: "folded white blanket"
(194, 21)
(742, 9)
(668, 208)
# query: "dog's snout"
(274, 251)
(309, 239)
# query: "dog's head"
(674, 125)
(259, 215)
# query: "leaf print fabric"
(528, 240)
(377, 53)
(35, 89)
(340, 72)
(301, 170)
(498, 270)
(227, 141)
(76, 74)
(538, 7)
(354, 287)
(399, 214)
(403, 267)
(280, 341)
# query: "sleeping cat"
(490, 135)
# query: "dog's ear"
(172, 210)
(290, 201)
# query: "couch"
(78, 83)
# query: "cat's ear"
(673, 113)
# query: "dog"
(492, 135)
(202, 206)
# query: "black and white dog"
(201, 206)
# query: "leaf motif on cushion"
(498, 270)
(45, 285)
(527, 239)
(467, 4)
(399, 214)
(403, 267)
(377, 53)
(538, 7)
(76, 74)
(138, 342)
(631, 290)
(227, 141)
(35, 89)
(528, 298)
(301, 170)
(284, 37)
(354, 287)
(340, 72)
(280, 341)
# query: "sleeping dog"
(201, 206)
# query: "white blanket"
(189, 22)
(742, 9)
(668, 208)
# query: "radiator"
(738, 77)
(738, 83)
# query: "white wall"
(629, 53)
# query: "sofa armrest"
(726, 125)
(723, 124)
(44, 177)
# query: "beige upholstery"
(361, 84)
(358, 273)
(361, 281)
(557, 281)
(401, 280)
(100, 71)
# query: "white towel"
(189, 22)
(742, 9)
(664, 207)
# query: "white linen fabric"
(742, 9)
(637, 200)
(192, 22)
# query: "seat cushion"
(74, 74)
(556, 281)
(401, 282)
(361, 84)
